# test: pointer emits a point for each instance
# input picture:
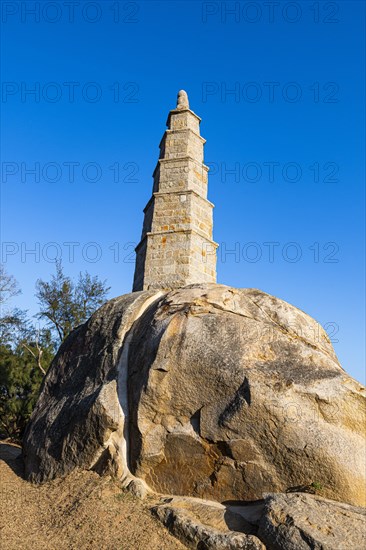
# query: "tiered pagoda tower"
(176, 247)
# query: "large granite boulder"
(207, 391)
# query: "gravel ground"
(82, 511)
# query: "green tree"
(20, 380)
(64, 304)
(26, 351)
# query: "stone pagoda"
(176, 247)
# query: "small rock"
(138, 488)
(183, 518)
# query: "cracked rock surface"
(206, 391)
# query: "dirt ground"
(81, 511)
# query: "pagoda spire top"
(182, 100)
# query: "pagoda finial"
(182, 100)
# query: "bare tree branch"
(37, 356)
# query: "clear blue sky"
(293, 131)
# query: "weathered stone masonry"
(176, 247)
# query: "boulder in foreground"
(297, 521)
(208, 391)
